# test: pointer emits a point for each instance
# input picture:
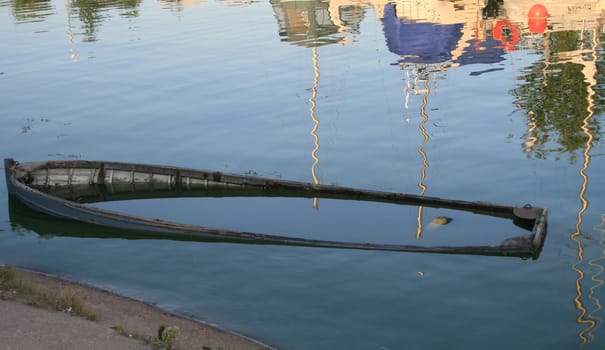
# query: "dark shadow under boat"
(64, 189)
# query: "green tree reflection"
(305, 23)
(559, 92)
(31, 10)
(91, 13)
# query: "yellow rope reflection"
(425, 162)
(312, 106)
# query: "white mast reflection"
(312, 106)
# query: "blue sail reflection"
(431, 43)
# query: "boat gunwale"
(17, 178)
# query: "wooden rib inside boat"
(65, 189)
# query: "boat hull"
(34, 184)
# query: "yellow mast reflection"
(590, 72)
(585, 318)
(312, 105)
(70, 34)
(311, 23)
(425, 162)
(425, 118)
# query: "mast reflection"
(305, 23)
(309, 24)
(425, 160)
(312, 105)
(585, 318)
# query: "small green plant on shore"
(167, 336)
(165, 339)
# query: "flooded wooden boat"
(64, 188)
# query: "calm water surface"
(446, 99)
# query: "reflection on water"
(319, 22)
(414, 76)
(312, 107)
(597, 265)
(585, 317)
(425, 160)
(92, 13)
(420, 42)
(26, 11)
(557, 122)
(308, 23)
(180, 4)
(305, 23)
